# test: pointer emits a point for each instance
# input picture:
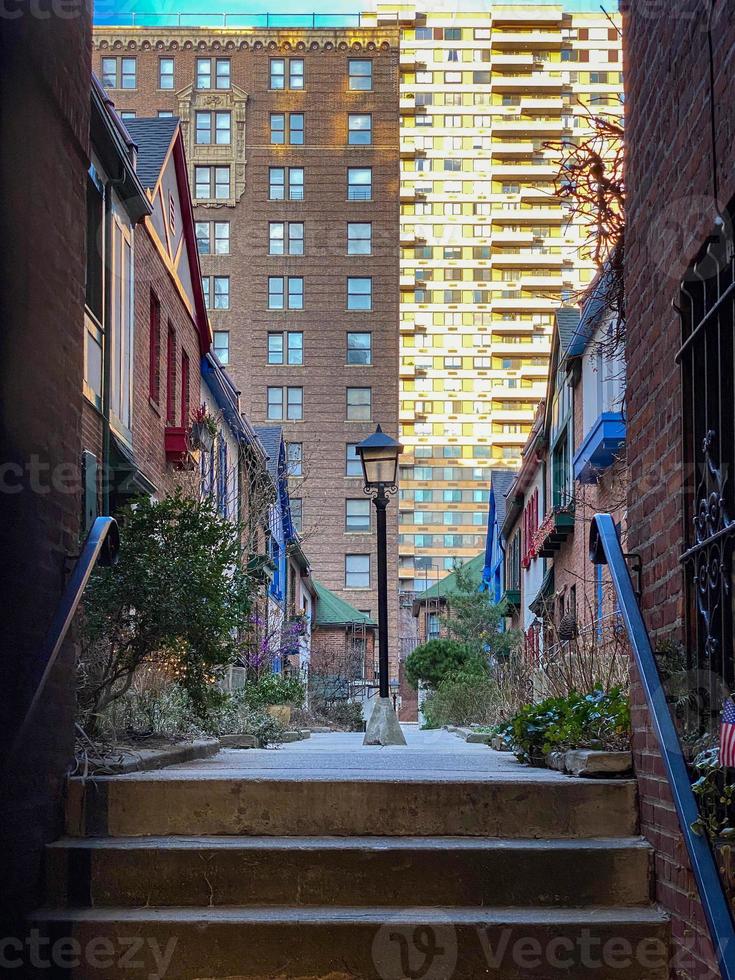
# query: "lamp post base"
(383, 727)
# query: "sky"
(242, 13)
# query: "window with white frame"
(204, 73)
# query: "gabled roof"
(333, 611)
(156, 139)
(446, 586)
(567, 321)
(596, 305)
(270, 437)
(153, 137)
(500, 483)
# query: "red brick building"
(44, 156)
(681, 189)
(292, 138)
(146, 326)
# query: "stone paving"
(427, 756)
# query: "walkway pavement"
(427, 756)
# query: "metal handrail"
(101, 546)
(605, 548)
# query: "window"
(165, 114)
(359, 294)
(359, 407)
(222, 346)
(119, 73)
(295, 458)
(166, 73)
(127, 114)
(282, 68)
(359, 184)
(297, 513)
(359, 238)
(171, 376)
(286, 238)
(206, 291)
(357, 571)
(221, 292)
(278, 127)
(359, 348)
(357, 515)
(204, 73)
(211, 183)
(452, 33)
(289, 345)
(359, 129)
(292, 398)
(277, 183)
(285, 293)
(221, 237)
(202, 230)
(154, 350)
(360, 75)
(296, 128)
(353, 466)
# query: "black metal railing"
(100, 547)
(605, 548)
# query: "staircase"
(375, 876)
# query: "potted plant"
(203, 429)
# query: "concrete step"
(172, 802)
(368, 943)
(396, 871)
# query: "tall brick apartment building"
(292, 141)
(680, 314)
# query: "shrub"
(274, 689)
(344, 714)
(168, 712)
(598, 720)
(177, 599)
(464, 697)
(431, 662)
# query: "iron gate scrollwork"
(707, 309)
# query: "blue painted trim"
(597, 450)
(605, 549)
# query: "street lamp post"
(379, 458)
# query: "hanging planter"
(203, 430)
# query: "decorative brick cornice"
(225, 41)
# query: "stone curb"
(146, 760)
(470, 735)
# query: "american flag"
(727, 734)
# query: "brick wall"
(44, 115)
(670, 212)
(149, 416)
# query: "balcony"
(553, 531)
(600, 445)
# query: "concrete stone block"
(590, 762)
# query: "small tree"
(177, 599)
(431, 662)
(476, 622)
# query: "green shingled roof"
(448, 584)
(333, 611)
